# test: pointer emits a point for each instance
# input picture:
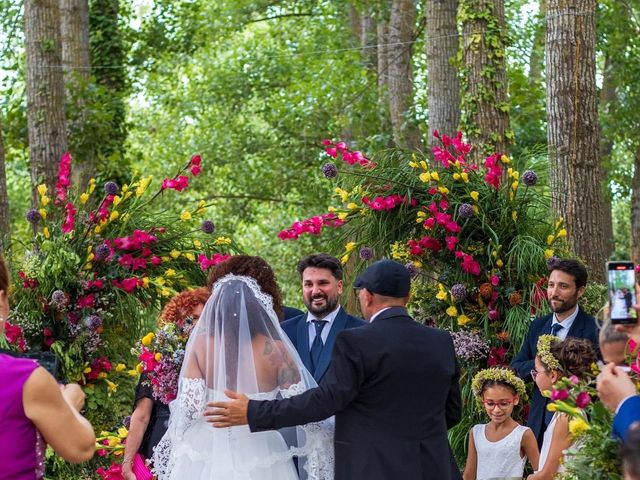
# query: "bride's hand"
(228, 414)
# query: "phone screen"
(622, 292)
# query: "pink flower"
(574, 379)
(341, 146)
(436, 134)
(429, 223)
(493, 315)
(583, 399)
(70, 220)
(177, 184)
(451, 243)
(217, 258)
(128, 284)
(155, 261)
(64, 177)
(327, 142)
(562, 394)
(495, 280)
(48, 337)
(86, 301)
(331, 151)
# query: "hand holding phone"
(621, 280)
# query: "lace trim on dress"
(252, 283)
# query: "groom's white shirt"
(325, 331)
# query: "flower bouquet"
(161, 355)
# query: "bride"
(238, 345)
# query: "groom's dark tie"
(317, 345)
(555, 328)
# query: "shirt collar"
(375, 315)
(329, 317)
(567, 322)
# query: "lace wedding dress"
(237, 340)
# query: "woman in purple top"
(35, 410)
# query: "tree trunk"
(442, 81)
(368, 39)
(5, 218)
(45, 91)
(573, 133)
(74, 30)
(485, 104)
(356, 24)
(635, 210)
(537, 48)
(399, 51)
(608, 103)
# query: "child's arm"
(560, 441)
(530, 448)
(470, 468)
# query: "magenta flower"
(495, 280)
(70, 220)
(493, 315)
(583, 399)
(562, 394)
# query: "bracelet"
(127, 459)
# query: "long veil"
(238, 345)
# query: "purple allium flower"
(111, 188)
(92, 342)
(529, 178)
(330, 170)
(208, 227)
(459, 291)
(33, 216)
(57, 297)
(102, 251)
(93, 322)
(465, 210)
(551, 261)
(126, 422)
(469, 346)
(412, 269)
(366, 253)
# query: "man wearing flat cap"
(392, 386)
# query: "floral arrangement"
(161, 355)
(111, 444)
(544, 352)
(497, 374)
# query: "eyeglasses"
(490, 404)
(534, 373)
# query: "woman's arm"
(560, 441)
(55, 414)
(530, 448)
(139, 423)
(470, 468)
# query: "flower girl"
(499, 449)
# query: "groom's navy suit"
(393, 388)
(297, 329)
(584, 326)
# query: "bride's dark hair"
(250, 266)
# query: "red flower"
(195, 165)
(86, 301)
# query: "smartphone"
(621, 279)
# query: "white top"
(499, 459)
(546, 443)
(329, 318)
(566, 324)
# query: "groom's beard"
(322, 309)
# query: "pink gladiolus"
(86, 301)
(562, 394)
(469, 265)
(128, 284)
(436, 134)
(341, 146)
(217, 258)
(429, 223)
(177, 184)
(574, 379)
(451, 243)
(195, 170)
(70, 220)
(583, 399)
(327, 142)
(64, 177)
(155, 261)
(331, 151)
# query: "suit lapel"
(325, 357)
(302, 341)
(578, 325)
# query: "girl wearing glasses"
(500, 448)
(557, 359)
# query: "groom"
(392, 385)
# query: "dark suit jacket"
(584, 326)
(297, 329)
(628, 413)
(393, 388)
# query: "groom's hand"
(228, 414)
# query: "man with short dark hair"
(314, 333)
(392, 386)
(566, 284)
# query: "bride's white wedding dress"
(193, 450)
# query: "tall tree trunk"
(74, 32)
(573, 132)
(368, 40)
(400, 47)
(442, 81)
(608, 103)
(485, 104)
(383, 76)
(536, 56)
(5, 217)
(45, 91)
(356, 24)
(635, 210)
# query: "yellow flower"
(170, 272)
(123, 432)
(139, 368)
(331, 209)
(113, 387)
(148, 338)
(45, 200)
(420, 217)
(417, 263)
(114, 441)
(43, 213)
(550, 239)
(120, 367)
(500, 263)
(413, 164)
(342, 215)
(184, 216)
(83, 198)
(160, 281)
(514, 215)
(87, 370)
(423, 165)
(116, 200)
(465, 177)
(425, 177)
(441, 295)
(90, 257)
(516, 174)
(559, 222)
(452, 311)
(114, 216)
(222, 241)
(476, 210)
(350, 246)
(102, 375)
(463, 320)
(92, 185)
(344, 259)
(577, 426)
(165, 292)
(201, 207)
(562, 233)
(475, 195)
(514, 185)
(352, 205)
(504, 159)
(157, 356)
(343, 194)
(143, 185)
(511, 195)
(98, 229)
(45, 232)
(125, 188)
(435, 176)
(174, 253)
(145, 282)
(132, 373)
(42, 189)
(548, 253)
(456, 176)
(197, 244)
(190, 256)
(443, 190)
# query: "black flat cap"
(385, 277)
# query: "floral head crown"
(544, 352)
(497, 374)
